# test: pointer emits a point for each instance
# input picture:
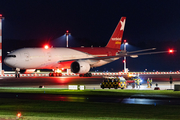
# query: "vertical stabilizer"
(116, 38)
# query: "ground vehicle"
(114, 82)
(133, 80)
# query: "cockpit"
(11, 56)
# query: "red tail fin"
(116, 38)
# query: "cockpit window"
(11, 55)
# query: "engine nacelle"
(27, 71)
(80, 67)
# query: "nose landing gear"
(17, 73)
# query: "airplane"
(79, 59)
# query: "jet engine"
(80, 67)
(27, 71)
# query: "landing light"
(58, 71)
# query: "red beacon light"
(67, 31)
(0, 15)
(46, 47)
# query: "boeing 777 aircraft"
(79, 60)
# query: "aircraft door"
(48, 56)
(109, 53)
(26, 56)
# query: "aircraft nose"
(6, 61)
(9, 61)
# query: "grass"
(32, 109)
(59, 110)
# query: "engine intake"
(80, 67)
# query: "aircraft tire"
(89, 75)
(59, 74)
(18, 75)
(54, 74)
(50, 74)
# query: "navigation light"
(171, 51)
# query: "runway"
(89, 82)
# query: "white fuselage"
(40, 58)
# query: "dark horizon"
(150, 23)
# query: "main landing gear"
(85, 75)
(55, 74)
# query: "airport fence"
(93, 73)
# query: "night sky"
(149, 23)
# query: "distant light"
(19, 115)
(67, 31)
(46, 47)
(0, 15)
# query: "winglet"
(116, 38)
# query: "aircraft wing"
(125, 54)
